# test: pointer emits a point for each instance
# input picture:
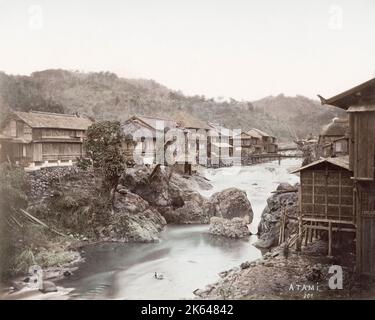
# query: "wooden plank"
(335, 229)
(323, 220)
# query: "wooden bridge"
(266, 157)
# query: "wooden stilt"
(314, 232)
(282, 227)
(307, 235)
(311, 232)
(329, 239)
(299, 239)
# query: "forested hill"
(106, 96)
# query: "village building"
(198, 135)
(326, 198)
(256, 141)
(141, 133)
(334, 139)
(248, 148)
(268, 142)
(140, 136)
(220, 147)
(39, 139)
(337, 194)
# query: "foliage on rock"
(103, 144)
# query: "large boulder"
(194, 210)
(133, 220)
(172, 194)
(231, 203)
(150, 184)
(284, 200)
(231, 228)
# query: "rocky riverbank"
(297, 275)
(283, 272)
(77, 213)
(284, 201)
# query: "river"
(187, 256)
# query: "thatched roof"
(36, 119)
(337, 128)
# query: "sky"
(243, 49)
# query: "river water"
(187, 256)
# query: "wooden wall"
(327, 193)
(61, 151)
(362, 132)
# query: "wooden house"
(359, 102)
(197, 133)
(334, 139)
(37, 139)
(256, 141)
(326, 198)
(141, 133)
(268, 142)
(248, 147)
(140, 136)
(220, 147)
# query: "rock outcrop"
(231, 228)
(231, 203)
(134, 220)
(285, 200)
(172, 194)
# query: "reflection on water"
(187, 256)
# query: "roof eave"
(339, 99)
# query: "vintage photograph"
(187, 150)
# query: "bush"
(83, 164)
(103, 144)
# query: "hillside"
(106, 96)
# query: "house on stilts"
(337, 194)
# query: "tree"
(103, 144)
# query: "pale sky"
(233, 48)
